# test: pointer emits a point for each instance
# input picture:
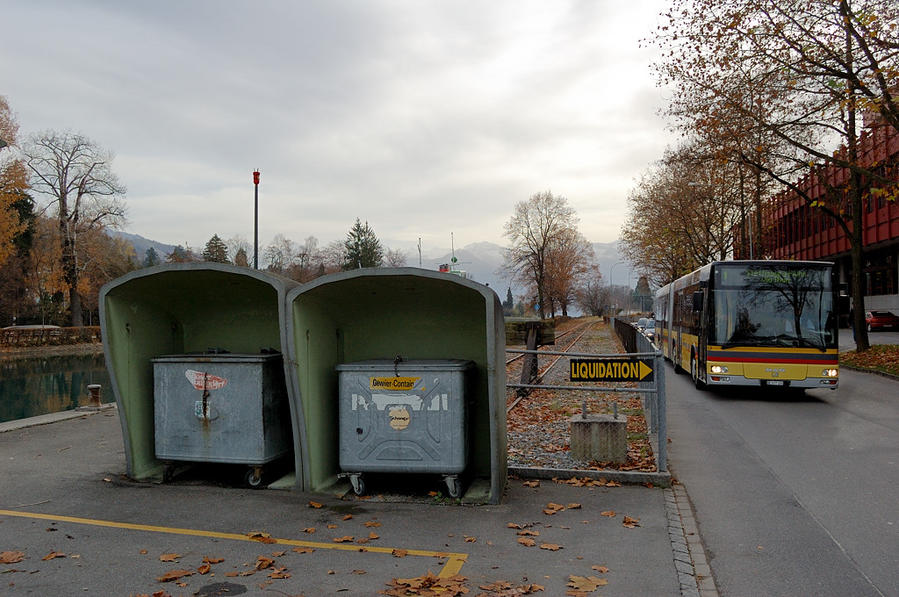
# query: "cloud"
(421, 117)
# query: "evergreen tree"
(151, 257)
(240, 258)
(509, 303)
(362, 248)
(216, 250)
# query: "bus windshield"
(761, 305)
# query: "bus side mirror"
(697, 300)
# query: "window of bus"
(761, 305)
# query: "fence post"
(659, 366)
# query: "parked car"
(650, 330)
(881, 320)
(641, 323)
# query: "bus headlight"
(719, 369)
(830, 373)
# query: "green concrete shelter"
(380, 313)
(175, 309)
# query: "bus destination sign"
(611, 370)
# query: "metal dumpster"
(229, 408)
(403, 416)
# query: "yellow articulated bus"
(752, 323)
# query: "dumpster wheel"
(453, 485)
(358, 484)
(253, 477)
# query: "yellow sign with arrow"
(611, 370)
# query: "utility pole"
(256, 220)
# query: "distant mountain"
(141, 245)
(482, 261)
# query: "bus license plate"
(775, 382)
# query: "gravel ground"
(538, 423)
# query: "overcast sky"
(421, 117)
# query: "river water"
(39, 385)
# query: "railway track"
(572, 336)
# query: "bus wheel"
(694, 373)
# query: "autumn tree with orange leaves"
(547, 254)
(800, 76)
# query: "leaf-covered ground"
(880, 357)
(538, 424)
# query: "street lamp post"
(256, 219)
(611, 271)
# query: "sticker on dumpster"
(392, 383)
(399, 417)
(203, 381)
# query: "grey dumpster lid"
(406, 365)
(215, 357)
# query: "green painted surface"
(174, 310)
(382, 316)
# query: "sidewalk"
(73, 524)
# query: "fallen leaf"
(531, 483)
(373, 535)
(362, 540)
(143, 552)
(550, 546)
(527, 541)
(315, 505)
(11, 557)
(231, 574)
(608, 513)
(470, 539)
(261, 537)
(587, 584)
(169, 557)
(303, 549)
(400, 553)
(52, 555)
(359, 572)
(513, 525)
(348, 517)
(331, 526)
(433, 493)
(600, 569)
(630, 522)
(332, 572)
(263, 562)
(204, 569)
(613, 484)
(210, 560)
(573, 506)
(346, 539)
(280, 573)
(309, 530)
(372, 523)
(527, 532)
(172, 575)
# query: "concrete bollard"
(94, 390)
(598, 437)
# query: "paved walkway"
(72, 523)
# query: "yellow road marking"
(453, 565)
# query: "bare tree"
(538, 226)
(394, 258)
(85, 194)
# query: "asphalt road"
(793, 495)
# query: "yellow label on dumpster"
(392, 383)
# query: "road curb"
(693, 570)
(630, 477)
(49, 418)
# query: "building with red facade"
(792, 229)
